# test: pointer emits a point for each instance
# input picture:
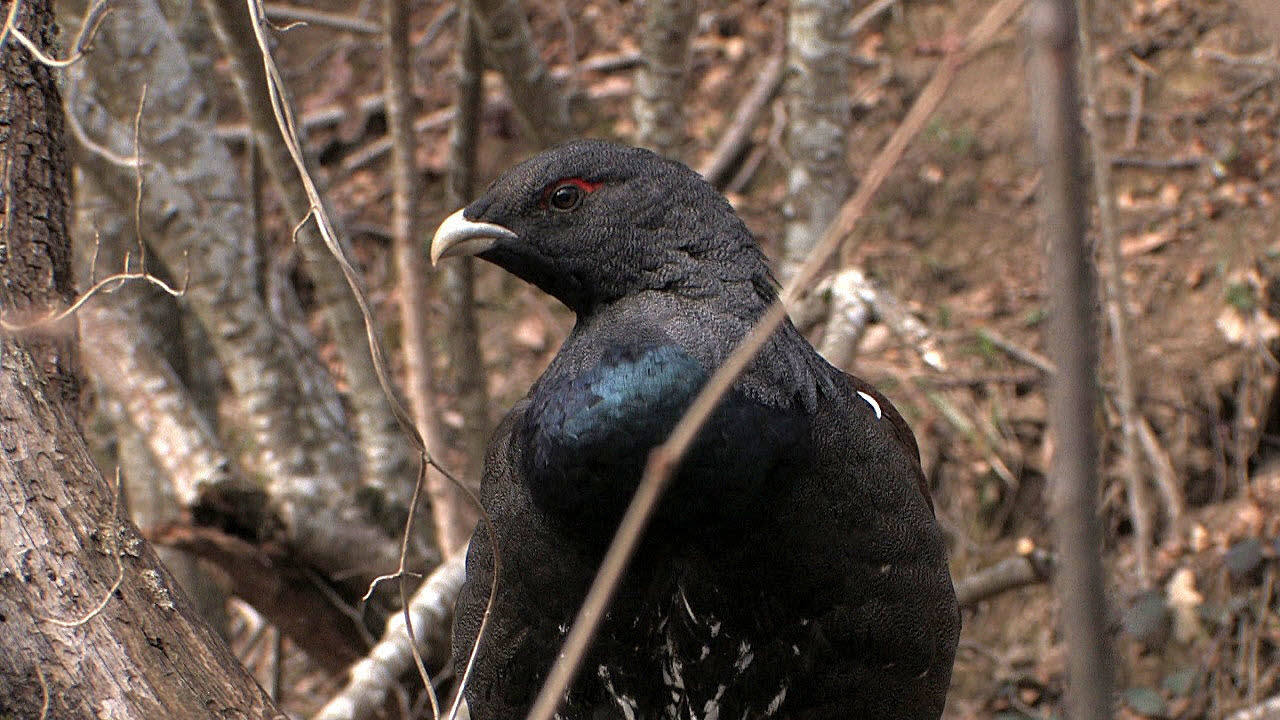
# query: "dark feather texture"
(793, 569)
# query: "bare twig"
(1191, 162)
(717, 167)
(869, 13)
(1165, 476)
(465, 358)
(320, 18)
(1008, 574)
(1117, 302)
(1018, 352)
(1055, 112)
(102, 285)
(93, 16)
(44, 692)
(665, 457)
(406, 189)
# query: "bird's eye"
(565, 197)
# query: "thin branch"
(465, 358)
(664, 458)
(1008, 574)
(1018, 352)
(1116, 304)
(44, 692)
(869, 13)
(58, 316)
(92, 18)
(717, 167)
(1165, 476)
(411, 271)
(1072, 343)
(320, 18)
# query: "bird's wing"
(886, 412)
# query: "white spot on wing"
(745, 656)
(688, 608)
(776, 702)
(872, 402)
(626, 703)
(711, 711)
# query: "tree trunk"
(94, 626)
(658, 104)
(818, 104)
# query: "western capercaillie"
(794, 567)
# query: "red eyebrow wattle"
(584, 185)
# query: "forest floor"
(1189, 94)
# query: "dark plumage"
(793, 569)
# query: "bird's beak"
(460, 236)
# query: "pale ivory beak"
(460, 236)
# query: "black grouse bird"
(794, 568)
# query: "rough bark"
(195, 219)
(509, 48)
(388, 467)
(658, 104)
(145, 654)
(818, 106)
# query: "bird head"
(591, 222)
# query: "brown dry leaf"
(1145, 242)
(1254, 330)
(531, 333)
(1184, 603)
(870, 45)
(1199, 538)
(1126, 201)
(735, 48)
(1236, 193)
